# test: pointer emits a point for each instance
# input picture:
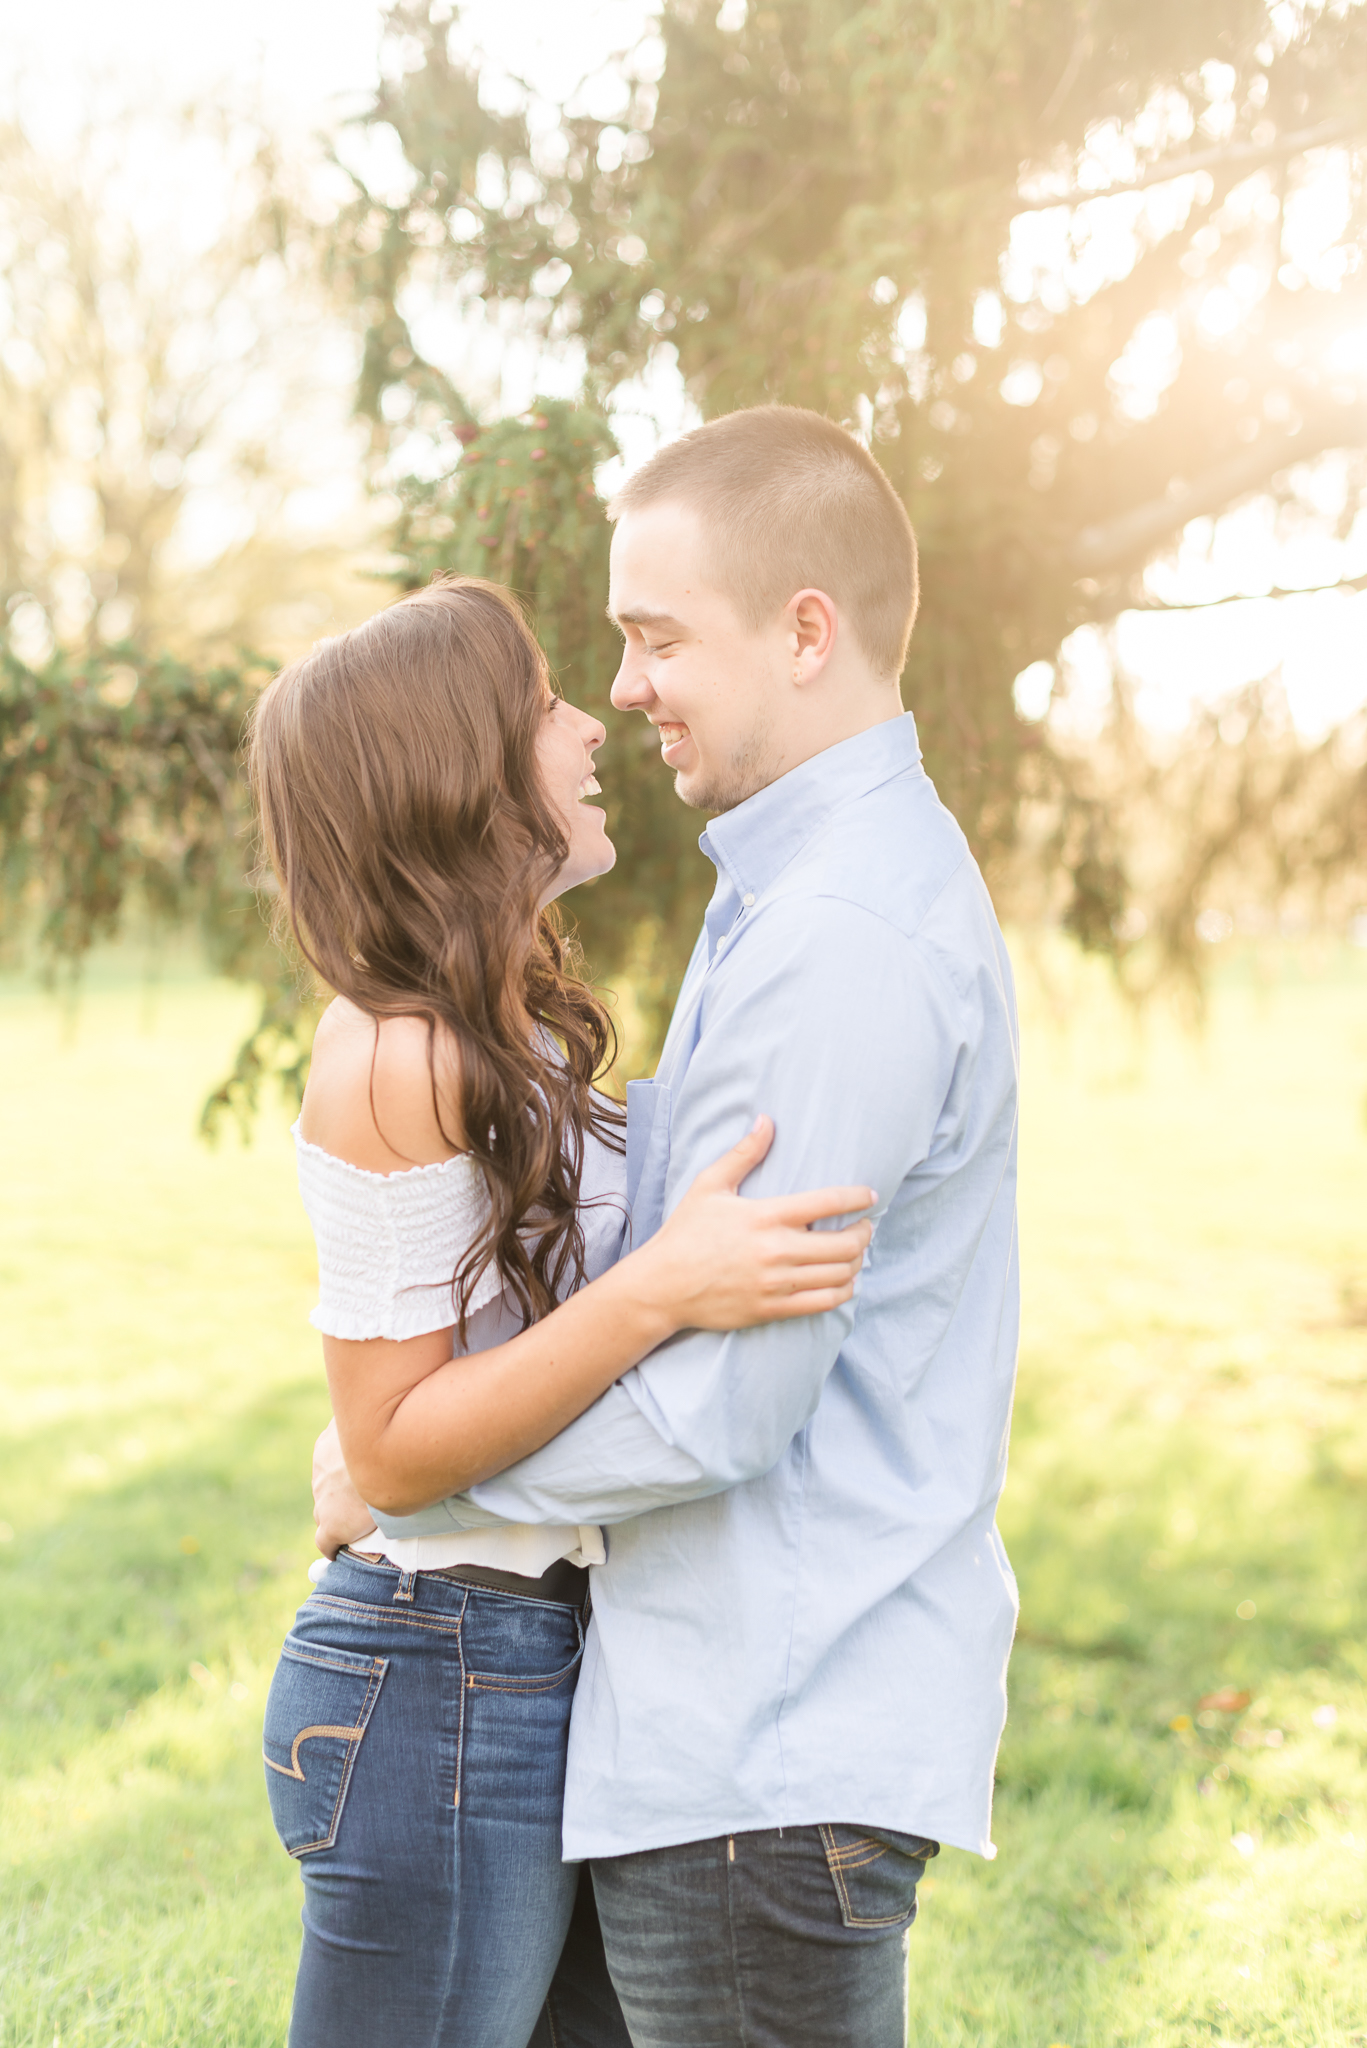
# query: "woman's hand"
(724, 1263)
(416, 1424)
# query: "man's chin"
(691, 789)
(700, 788)
(711, 793)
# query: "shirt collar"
(755, 842)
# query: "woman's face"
(564, 755)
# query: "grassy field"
(1186, 1511)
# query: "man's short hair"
(789, 501)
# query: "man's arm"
(847, 1034)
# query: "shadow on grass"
(197, 1559)
(146, 1899)
(172, 1920)
(1183, 1768)
(149, 1902)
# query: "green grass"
(160, 1392)
(1189, 1440)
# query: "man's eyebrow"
(638, 616)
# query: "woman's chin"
(585, 866)
(607, 860)
(598, 854)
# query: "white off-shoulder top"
(388, 1248)
(389, 1243)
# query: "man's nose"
(631, 691)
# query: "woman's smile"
(565, 746)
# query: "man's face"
(708, 683)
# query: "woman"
(421, 790)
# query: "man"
(795, 1684)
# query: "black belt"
(566, 1583)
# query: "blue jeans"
(415, 1760)
(792, 1939)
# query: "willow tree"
(146, 369)
(890, 212)
(521, 506)
(1046, 254)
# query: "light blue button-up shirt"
(806, 1609)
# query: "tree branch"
(1131, 536)
(210, 770)
(1205, 604)
(1081, 51)
(1246, 154)
(745, 226)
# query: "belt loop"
(404, 1590)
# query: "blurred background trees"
(885, 212)
(512, 273)
(162, 398)
(891, 212)
(167, 428)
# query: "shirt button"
(721, 942)
(747, 901)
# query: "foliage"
(151, 372)
(160, 396)
(120, 796)
(521, 506)
(882, 210)
(1189, 1435)
(112, 788)
(1235, 820)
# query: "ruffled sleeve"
(389, 1244)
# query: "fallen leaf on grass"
(1225, 1701)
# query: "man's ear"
(813, 627)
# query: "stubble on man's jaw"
(749, 770)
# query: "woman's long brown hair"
(395, 775)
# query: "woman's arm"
(416, 1424)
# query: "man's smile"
(673, 737)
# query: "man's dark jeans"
(775, 1939)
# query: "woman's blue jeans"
(415, 1759)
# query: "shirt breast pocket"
(647, 1156)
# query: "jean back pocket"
(875, 1872)
(320, 1702)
